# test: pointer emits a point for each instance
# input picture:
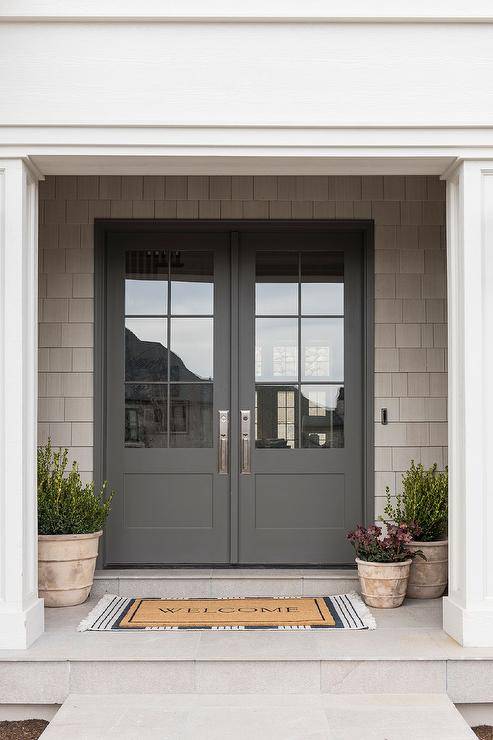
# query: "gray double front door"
(233, 393)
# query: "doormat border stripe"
(348, 611)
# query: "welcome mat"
(284, 613)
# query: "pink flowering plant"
(371, 545)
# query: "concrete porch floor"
(407, 653)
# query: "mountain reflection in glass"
(146, 352)
(191, 349)
(162, 348)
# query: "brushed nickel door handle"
(223, 447)
(246, 462)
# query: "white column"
(468, 609)
(21, 611)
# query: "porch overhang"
(463, 156)
(245, 150)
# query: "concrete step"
(242, 717)
(407, 653)
(223, 582)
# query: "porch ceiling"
(238, 164)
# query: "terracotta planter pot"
(383, 585)
(66, 564)
(428, 578)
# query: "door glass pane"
(146, 354)
(146, 297)
(322, 283)
(322, 416)
(145, 415)
(191, 353)
(192, 283)
(276, 416)
(276, 284)
(146, 282)
(163, 348)
(294, 344)
(322, 349)
(276, 349)
(191, 415)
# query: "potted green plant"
(71, 517)
(383, 563)
(423, 507)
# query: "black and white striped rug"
(346, 611)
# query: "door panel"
(301, 360)
(314, 510)
(167, 377)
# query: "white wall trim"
(21, 611)
(437, 134)
(224, 11)
(241, 149)
(468, 609)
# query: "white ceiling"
(52, 164)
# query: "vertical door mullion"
(299, 352)
(234, 396)
(168, 342)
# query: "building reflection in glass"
(286, 418)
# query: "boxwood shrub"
(66, 505)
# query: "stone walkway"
(243, 717)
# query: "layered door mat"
(346, 611)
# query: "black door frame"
(103, 227)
